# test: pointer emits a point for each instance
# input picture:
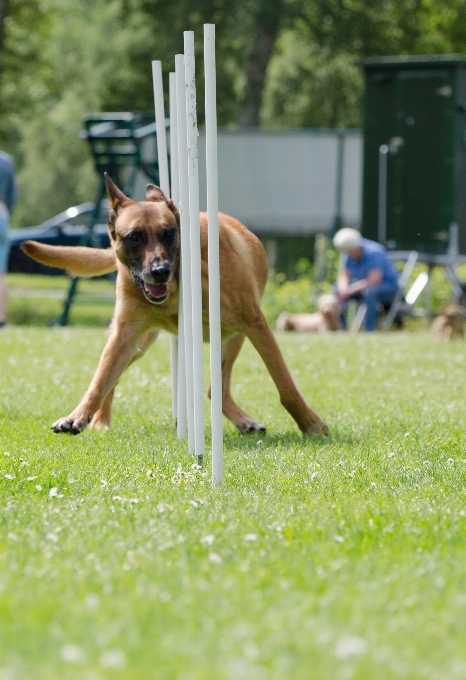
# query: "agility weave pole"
(188, 395)
(214, 255)
(162, 156)
(181, 406)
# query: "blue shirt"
(374, 256)
(7, 181)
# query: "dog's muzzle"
(155, 291)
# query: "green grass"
(332, 558)
(38, 300)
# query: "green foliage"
(285, 63)
(80, 75)
(339, 558)
(310, 86)
(281, 295)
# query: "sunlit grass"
(38, 300)
(323, 558)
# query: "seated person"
(366, 274)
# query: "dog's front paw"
(248, 426)
(317, 427)
(70, 425)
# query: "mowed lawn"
(332, 559)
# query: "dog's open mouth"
(155, 293)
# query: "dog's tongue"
(156, 291)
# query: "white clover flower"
(72, 653)
(350, 645)
(113, 658)
(215, 559)
(52, 537)
(207, 540)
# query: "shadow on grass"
(250, 442)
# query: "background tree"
(286, 63)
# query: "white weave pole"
(187, 306)
(181, 424)
(214, 257)
(162, 157)
(195, 243)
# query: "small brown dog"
(326, 319)
(450, 324)
(145, 239)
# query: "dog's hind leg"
(261, 336)
(243, 421)
(102, 419)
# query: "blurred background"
(284, 65)
(281, 64)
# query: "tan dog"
(449, 325)
(326, 319)
(144, 249)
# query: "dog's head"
(328, 305)
(454, 312)
(146, 238)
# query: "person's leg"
(372, 296)
(344, 307)
(4, 252)
(3, 297)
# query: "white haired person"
(7, 200)
(366, 274)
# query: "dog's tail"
(77, 260)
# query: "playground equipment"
(118, 143)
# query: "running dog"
(322, 321)
(145, 251)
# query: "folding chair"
(403, 302)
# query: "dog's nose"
(160, 272)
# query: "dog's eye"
(134, 237)
(168, 235)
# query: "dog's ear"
(155, 193)
(117, 197)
